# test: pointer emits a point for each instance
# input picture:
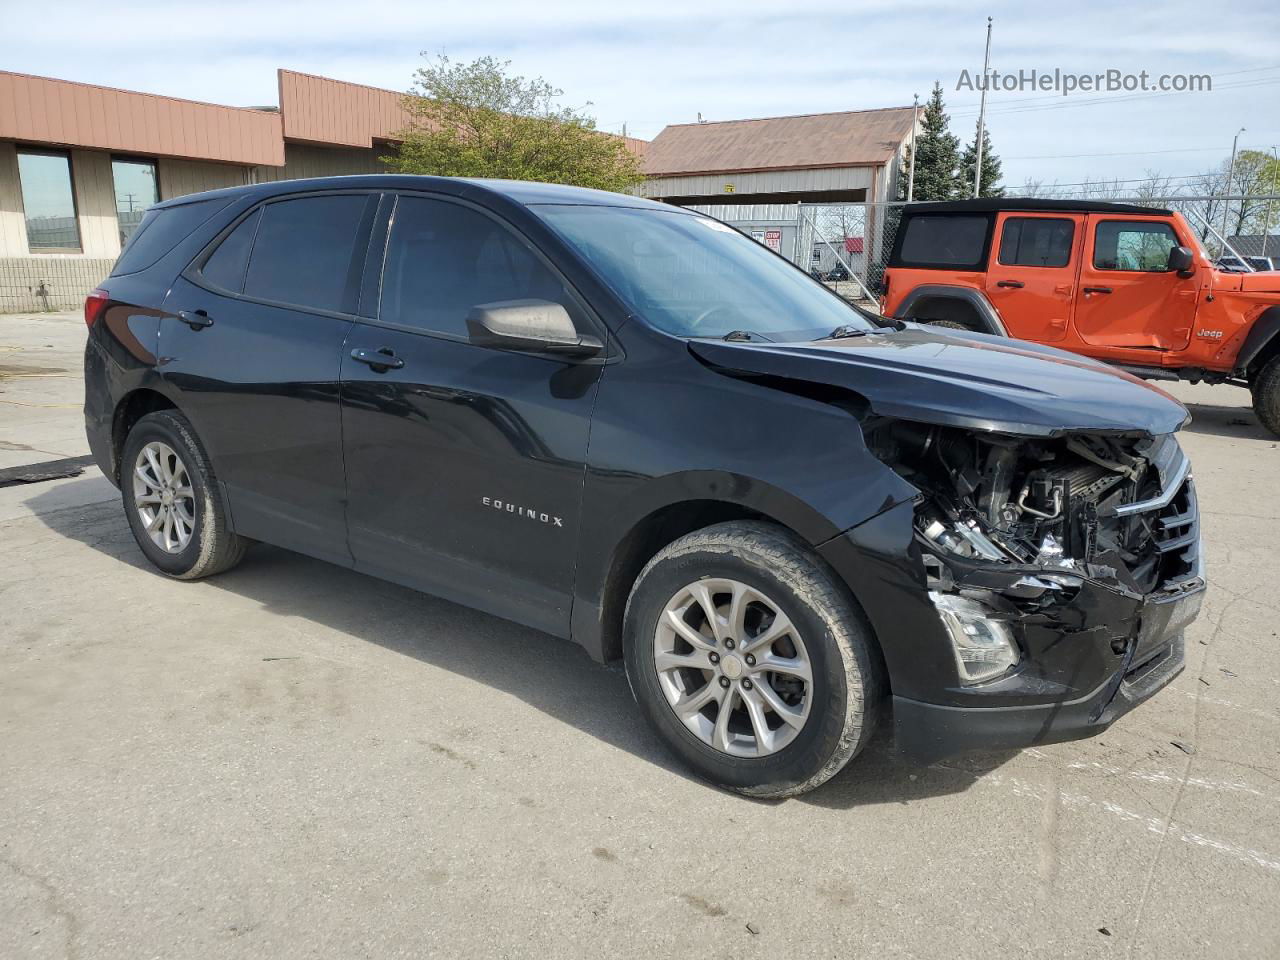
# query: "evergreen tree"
(937, 156)
(990, 167)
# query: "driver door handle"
(380, 360)
(195, 319)
(1097, 289)
(1016, 284)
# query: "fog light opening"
(983, 646)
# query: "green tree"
(990, 186)
(477, 120)
(937, 152)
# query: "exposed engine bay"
(1047, 503)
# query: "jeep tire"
(1266, 395)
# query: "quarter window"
(444, 258)
(944, 241)
(135, 186)
(1036, 242)
(48, 202)
(1133, 245)
(225, 267)
(303, 251)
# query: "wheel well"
(1270, 350)
(947, 308)
(129, 411)
(639, 547)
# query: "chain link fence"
(847, 245)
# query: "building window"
(136, 189)
(48, 202)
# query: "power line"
(1128, 153)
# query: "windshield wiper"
(845, 330)
(741, 335)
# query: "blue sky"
(664, 62)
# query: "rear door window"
(944, 241)
(163, 229)
(1036, 242)
(1136, 245)
(445, 258)
(304, 252)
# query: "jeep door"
(251, 342)
(465, 464)
(1031, 278)
(1129, 298)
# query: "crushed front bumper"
(1089, 655)
(929, 732)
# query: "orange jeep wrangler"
(1129, 285)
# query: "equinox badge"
(520, 511)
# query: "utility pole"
(1226, 190)
(982, 113)
(911, 169)
(1275, 184)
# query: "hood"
(982, 383)
(1265, 281)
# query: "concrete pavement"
(298, 761)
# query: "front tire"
(750, 660)
(1266, 395)
(173, 502)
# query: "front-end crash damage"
(1076, 534)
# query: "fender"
(1264, 332)
(987, 313)
(612, 547)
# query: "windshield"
(692, 276)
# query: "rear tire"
(775, 605)
(1266, 395)
(949, 324)
(173, 501)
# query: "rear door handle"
(1097, 289)
(380, 360)
(1016, 284)
(195, 319)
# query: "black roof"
(520, 191)
(999, 205)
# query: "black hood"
(982, 383)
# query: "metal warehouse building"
(847, 157)
(79, 164)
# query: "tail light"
(884, 291)
(94, 305)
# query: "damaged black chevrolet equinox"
(630, 425)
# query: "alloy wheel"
(163, 497)
(733, 667)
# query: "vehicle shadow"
(1225, 421)
(550, 675)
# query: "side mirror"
(1181, 261)
(536, 326)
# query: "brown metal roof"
(45, 110)
(854, 138)
(321, 110)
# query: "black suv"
(629, 425)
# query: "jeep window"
(303, 251)
(692, 276)
(945, 241)
(1136, 245)
(1036, 242)
(444, 258)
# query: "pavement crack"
(57, 904)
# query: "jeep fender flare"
(988, 316)
(1264, 333)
